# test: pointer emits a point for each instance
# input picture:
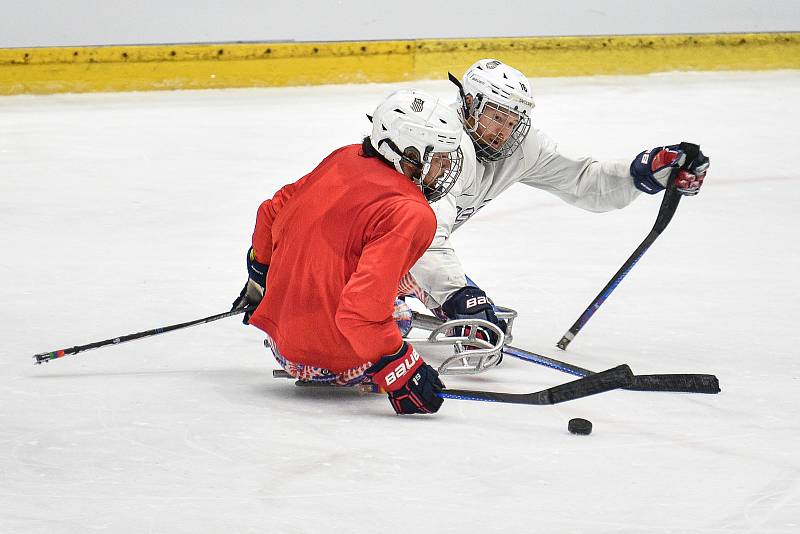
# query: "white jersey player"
(501, 149)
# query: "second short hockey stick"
(669, 205)
(680, 383)
(614, 378)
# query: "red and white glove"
(651, 169)
(412, 384)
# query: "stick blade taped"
(614, 378)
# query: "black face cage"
(484, 150)
(445, 182)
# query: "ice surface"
(124, 212)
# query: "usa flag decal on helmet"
(417, 104)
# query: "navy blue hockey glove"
(412, 384)
(253, 290)
(471, 302)
(651, 169)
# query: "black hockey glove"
(471, 302)
(253, 290)
(412, 384)
(651, 169)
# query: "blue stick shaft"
(668, 206)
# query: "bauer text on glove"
(412, 384)
(471, 302)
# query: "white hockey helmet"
(498, 114)
(413, 128)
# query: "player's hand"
(412, 384)
(651, 169)
(471, 302)
(253, 290)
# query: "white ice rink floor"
(125, 212)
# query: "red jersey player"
(331, 248)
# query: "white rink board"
(35, 23)
(124, 212)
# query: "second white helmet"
(497, 114)
(415, 129)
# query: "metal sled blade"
(471, 354)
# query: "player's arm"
(260, 253)
(265, 218)
(393, 244)
(364, 314)
(581, 181)
(605, 185)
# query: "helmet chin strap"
(467, 111)
(458, 84)
(418, 165)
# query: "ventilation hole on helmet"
(443, 121)
(504, 76)
(385, 129)
(400, 111)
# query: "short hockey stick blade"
(614, 378)
(676, 383)
(682, 383)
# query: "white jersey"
(584, 182)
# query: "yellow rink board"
(208, 66)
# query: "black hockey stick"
(614, 378)
(681, 383)
(44, 357)
(669, 205)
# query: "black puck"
(580, 426)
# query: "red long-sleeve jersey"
(337, 242)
